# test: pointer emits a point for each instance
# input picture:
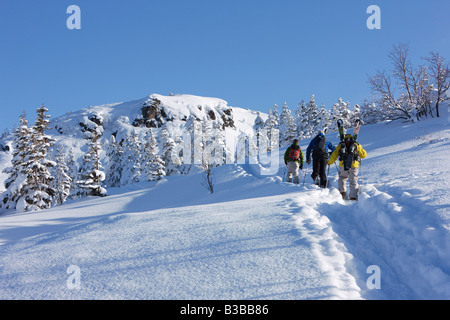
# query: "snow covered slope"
(152, 111)
(146, 244)
(123, 119)
(256, 237)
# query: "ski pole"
(362, 178)
(337, 169)
(304, 177)
(328, 173)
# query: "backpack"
(320, 146)
(348, 154)
(294, 154)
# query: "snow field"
(237, 249)
(264, 239)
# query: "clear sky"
(251, 53)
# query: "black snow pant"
(319, 170)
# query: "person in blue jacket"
(319, 147)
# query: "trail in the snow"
(334, 259)
(391, 232)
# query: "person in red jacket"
(293, 158)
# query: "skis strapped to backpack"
(348, 153)
(340, 125)
(356, 129)
(341, 129)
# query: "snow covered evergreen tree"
(153, 166)
(17, 178)
(168, 146)
(114, 155)
(191, 133)
(206, 138)
(259, 122)
(272, 121)
(288, 130)
(93, 176)
(260, 131)
(62, 182)
(310, 120)
(72, 172)
(38, 192)
(198, 143)
(148, 152)
(324, 122)
(178, 154)
(131, 160)
(207, 161)
(301, 120)
(271, 126)
(276, 116)
(222, 153)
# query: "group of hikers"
(325, 154)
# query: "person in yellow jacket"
(352, 173)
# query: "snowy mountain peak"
(153, 111)
(158, 109)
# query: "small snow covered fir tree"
(131, 160)
(157, 168)
(168, 156)
(198, 142)
(207, 160)
(271, 122)
(72, 172)
(114, 155)
(301, 120)
(189, 139)
(206, 138)
(62, 180)
(308, 120)
(17, 178)
(271, 126)
(288, 129)
(324, 121)
(313, 117)
(38, 192)
(276, 117)
(220, 151)
(178, 154)
(92, 174)
(153, 166)
(259, 122)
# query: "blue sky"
(251, 53)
